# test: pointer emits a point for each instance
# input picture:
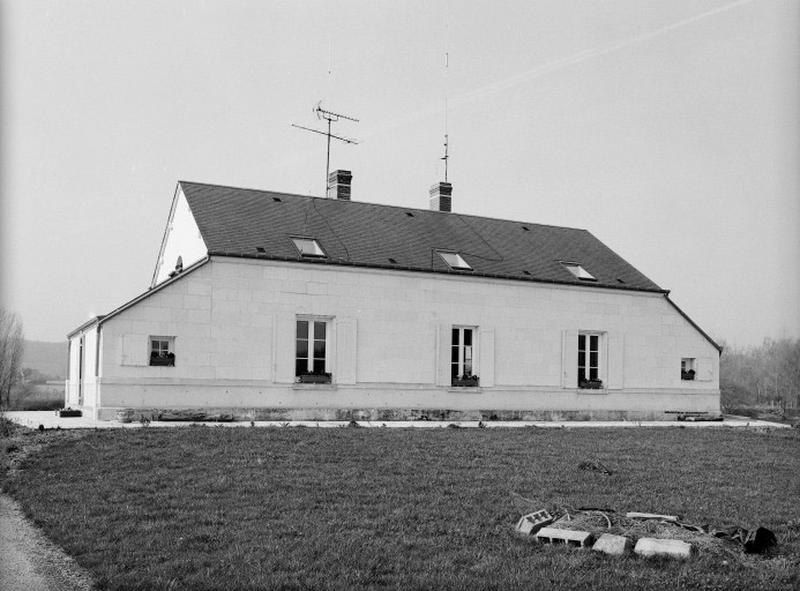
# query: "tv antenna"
(330, 117)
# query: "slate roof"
(260, 225)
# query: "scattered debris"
(532, 522)
(570, 537)
(595, 466)
(636, 515)
(755, 541)
(661, 547)
(612, 544)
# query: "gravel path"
(30, 562)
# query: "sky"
(667, 129)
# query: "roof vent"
(339, 182)
(442, 197)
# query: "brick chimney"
(339, 184)
(442, 197)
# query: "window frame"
(164, 356)
(688, 369)
(313, 373)
(596, 375)
(459, 264)
(317, 253)
(578, 271)
(462, 353)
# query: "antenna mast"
(330, 117)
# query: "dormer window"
(308, 247)
(579, 271)
(454, 261)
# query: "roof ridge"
(387, 205)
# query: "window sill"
(592, 391)
(464, 389)
(301, 386)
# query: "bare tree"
(11, 348)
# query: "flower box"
(314, 378)
(69, 412)
(167, 361)
(687, 375)
(591, 385)
(466, 382)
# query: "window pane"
(454, 370)
(594, 340)
(454, 354)
(467, 337)
(581, 342)
(302, 329)
(319, 366)
(300, 367)
(319, 350)
(302, 348)
(455, 337)
(593, 360)
(581, 375)
(581, 358)
(593, 373)
(319, 330)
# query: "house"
(276, 306)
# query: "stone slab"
(612, 544)
(571, 537)
(663, 547)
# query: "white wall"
(234, 322)
(182, 239)
(88, 375)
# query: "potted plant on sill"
(466, 381)
(591, 384)
(687, 375)
(314, 378)
(167, 360)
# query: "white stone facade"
(232, 324)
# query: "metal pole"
(328, 162)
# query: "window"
(454, 260)
(579, 271)
(688, 369)
(162, 351)
(311, 352)
(308, 247)
(589, 361)
(462, 357)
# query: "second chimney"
(442, 197)
(339, 184)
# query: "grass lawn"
(256, 508)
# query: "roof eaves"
(85, 325)
(456, 272)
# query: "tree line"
(767, 375)
(11, 348)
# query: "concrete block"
(662, 547)
(532, 522)
(612, 544)
(570, 537)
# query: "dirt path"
(30, 562)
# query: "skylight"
(308, 247)
(579, 271)
(454, 260)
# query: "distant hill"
(49, 359)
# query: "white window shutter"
(284, 349)
(569, 359)
(705, 369)
(616, 360)
(346, 351)
(486, 357)
(134, 350)
(443, 355)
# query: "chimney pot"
(442, 197)
(339, 184)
